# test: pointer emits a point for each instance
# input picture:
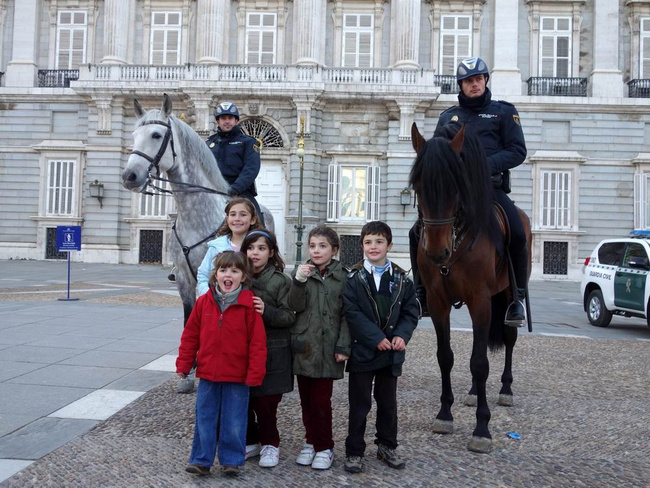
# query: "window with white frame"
(165, 38)
(71, 37)
(60, 196)
(555, 199)
(641, 201)
(555, 47)
(156, 206)
(455, 42)
(353, 193)
(261, 37)
(644, 48)
(358, 39)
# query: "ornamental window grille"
(455, 42)
(165, 38)
(556, 258)
(351, 252)
(71, 39)
(151, 246)
(358, 39)
(262, 130)
(555, 47)
(60, 187)
(261, 37)
(51, 250)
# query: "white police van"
(615, 279)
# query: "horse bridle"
(191, 188)
(457, 235)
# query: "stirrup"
(518, 323)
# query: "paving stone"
(70, 376)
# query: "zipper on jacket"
(390, 311)
(367, 288)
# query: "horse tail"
(499, 306)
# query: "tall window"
(60, 187)
(165, 38)
(261, 37)
(358, 39)
(157, 205)
(353, 193)
(555, 200)
(71, 39)
(455, 42)
(644, 69)
(641, 201)
(555, 47)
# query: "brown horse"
(461, 258)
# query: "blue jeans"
(222, 406)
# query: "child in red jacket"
(226, 336)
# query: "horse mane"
(197, 149)
(444, 180)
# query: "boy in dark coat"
(382, 313)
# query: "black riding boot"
(516, 313)
(420, 290)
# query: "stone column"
(407, 107)
(308, 32)
(505, 77)
(606, 78)
(405, 33)
(117, 28)
(23, 68)
(213, 19)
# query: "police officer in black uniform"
(497, 125)
(237, 154)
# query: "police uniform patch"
(211, 145)
(516, 117)
(454, 118)
(256, 148)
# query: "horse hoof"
(471, 400)
(482, 445)
(505, 400)
(443, 426)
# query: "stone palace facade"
(359, 72)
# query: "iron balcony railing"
(638, 89)
(557, 87)
(447, 83)
(58, 78)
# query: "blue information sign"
(68, 238)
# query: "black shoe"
(198, 469)
(516, 314)
(353, 464)
(230, 471)
(421, 297)
(390, 457)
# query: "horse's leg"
(470, 399)
(505, 395)
(479, 366)
(444, 423)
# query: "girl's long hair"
(255, 221)
(261, 233)
(231, 259)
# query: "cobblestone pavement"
(580, 407)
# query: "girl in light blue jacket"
(241, 218)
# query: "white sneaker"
(270, 456)
(323, 459)
(252, 450)
(306, 456)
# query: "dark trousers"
(360, 391)
(316, 404)
(263, 420)
(517, 248)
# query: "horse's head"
(152, 150)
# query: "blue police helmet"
(470, 67)
(226, 108)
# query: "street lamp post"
(300, 152)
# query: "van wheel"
(596, 312)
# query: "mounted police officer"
(237, 154)
(497, 125)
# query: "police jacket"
(366, 332)
(497, 125)
(238, 157)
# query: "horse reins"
(155, 163)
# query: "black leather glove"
(233, 192)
